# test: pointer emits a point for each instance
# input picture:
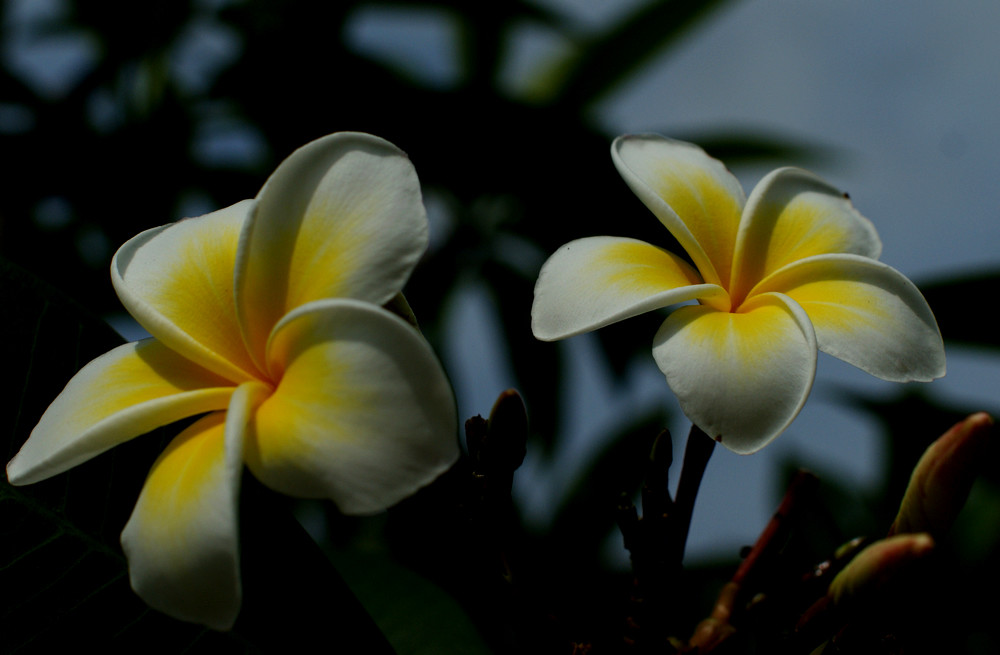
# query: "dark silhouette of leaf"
(614, 55)
(734, 147)
(950, 300)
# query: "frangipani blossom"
(788, 271)
(267, 318)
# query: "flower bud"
(877, 567)
(508, 431)
(941, 481)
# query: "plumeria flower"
(266, 318)
(778, 275)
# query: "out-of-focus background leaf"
(120, 116)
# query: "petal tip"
(14, 475)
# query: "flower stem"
(657, 544)
(696, 455)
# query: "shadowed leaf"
(950, 300)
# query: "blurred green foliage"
(173, 108)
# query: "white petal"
(177, 281)
(182, 538)
(692, 194)
(867, 314)
(590, 283)
(342, 217)
(363, 413)
(741, 377)
(791, 215)
(124, 393)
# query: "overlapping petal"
(363, 413)
(342, 217)
(791, 215)
(619, 278)
(122, 394)
(177, 281)
(867, 314)
(692, 194)
(739, 376)
(182, 538)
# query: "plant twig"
(719, 625)
(696, 455)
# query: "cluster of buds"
(844, 604)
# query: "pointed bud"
(627, 517)
(878, 566)
(656, 500)
(941, 481)
(508, 431)
(475, 438)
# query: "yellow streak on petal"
(200, 300)
(185, 274)
(191, 463)
(363, 414)
(742, 375)
(840, 306)
(154, 372)
(641, 269)
(341, 217)
(793, 215)
(124, 393)
(743, 342)
(322, 259)
(706, 207)
(801, 229)
(181, 540)
(836, 296)
(746, 336)
(309, 412)
(866, 314)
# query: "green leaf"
(417, 616)
(63, 577)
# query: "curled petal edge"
(137, 300)
(741, 377)
(692, 175)
(593, 282)
(182, 540)
(865, 313)
(792, 214)
(383, 436)
(122, 394)
(342, 216)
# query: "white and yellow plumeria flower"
(266, 317)
(777, 276)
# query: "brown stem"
(713, 630)
(777, 528)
